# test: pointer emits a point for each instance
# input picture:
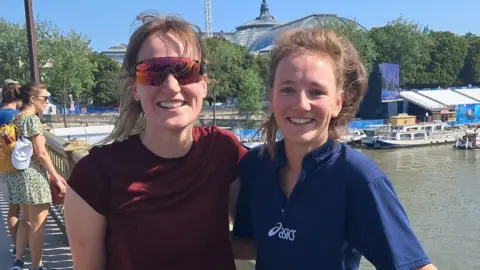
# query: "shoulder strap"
(20, 117)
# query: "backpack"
(9, 134)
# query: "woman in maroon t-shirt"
(157, 196)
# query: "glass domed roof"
(266, 40)
(246, 33)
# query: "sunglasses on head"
(154, 71)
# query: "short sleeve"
(32, 126)
(242, 226)
(235, 150)
(379, 229)
(88, 182)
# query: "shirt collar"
(317, 157)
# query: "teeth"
(171, 104)
(301, 120)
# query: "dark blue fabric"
(7, 115)
(342, 207)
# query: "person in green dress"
(30, 188)
(8, 112)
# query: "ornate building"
(259, 34)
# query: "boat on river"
(372, 132)
(420, 134)
(252, 144)
(470, 140)
(354, 137)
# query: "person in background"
(8, 111)
(152, 199)
(9, 83)
(31, 187)
(10, 101)
(309, 201)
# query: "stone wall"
(83, 119)
(223, 118)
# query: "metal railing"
(64, 156)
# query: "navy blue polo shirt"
(343, 206)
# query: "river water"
(440, 190)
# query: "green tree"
(108, 89)
(63, 59)
(69, 70)
(14, 61)
(225, 62)
(360, 40)
(471, 70)
(13, 52)
(250, 94)
(108, 80)
(405, 43)
(447, 58)
(263, 67)
(104, 63)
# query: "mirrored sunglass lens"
(189, 74)
(143, 78)
(154, 71)
(182, 71)
(189, 78)
(150, 78)
(158, 78)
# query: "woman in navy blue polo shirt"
(308, 201)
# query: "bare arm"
(428, 267)
(86, 233)
(232, 198)
(42, 155)
(243, 249)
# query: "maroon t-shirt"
(163, 213)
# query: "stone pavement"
(56, 253)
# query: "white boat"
(250, 145)
(436, 132)
(354, 136)
(372, 132)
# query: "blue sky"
(107, 22)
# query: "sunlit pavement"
(56, 253)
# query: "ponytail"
(10, 94)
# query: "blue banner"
(390, 82)
(468, 114)
(362, 124)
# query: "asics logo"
(275, 229)
(282, 233)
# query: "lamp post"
(32, 46)
(212, 82)
(32, 42)
(214, 101)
